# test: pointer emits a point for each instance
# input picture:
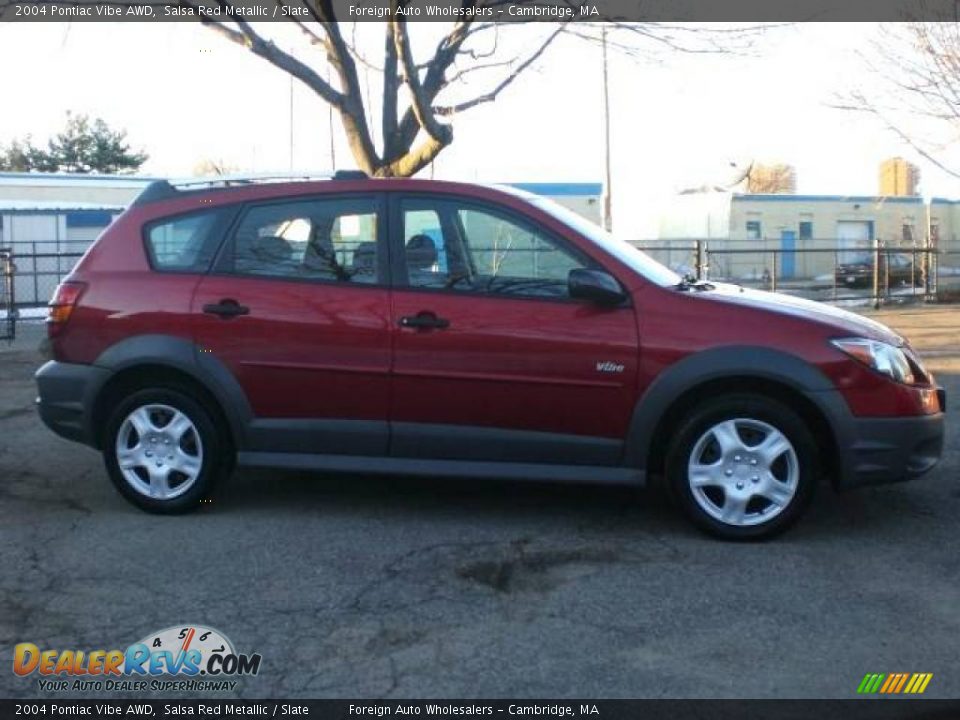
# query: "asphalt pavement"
(387, 588)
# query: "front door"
(492, 358)
(298, 310)
(788, 244)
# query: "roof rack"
(167, 189)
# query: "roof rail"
(167, 189)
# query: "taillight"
(61, 306)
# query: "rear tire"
(163, 450)
(742, 466)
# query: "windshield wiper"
(690, 282)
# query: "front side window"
(184, 244)
(472, 249)
(332, 240)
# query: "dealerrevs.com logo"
(201, 658)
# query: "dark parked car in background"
(436, 328)
(895, 269)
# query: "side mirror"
(596, 286)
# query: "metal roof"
(54, 206)
(74, 179)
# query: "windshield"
(622, 251)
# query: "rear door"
(298, 310)
(492, 358)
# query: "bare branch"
(448, 110)
(418, 100)
(248, 38)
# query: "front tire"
(742, 467)
(163, 451)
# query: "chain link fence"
(820, 270)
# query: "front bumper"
(66, 394)
(886, 450)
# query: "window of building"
(89, 219)
(184, 244)
(331, 240)
(806, 230)
(753, 230)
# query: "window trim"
(398, 257)
(219, 230)
(223, 263)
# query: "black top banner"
(508, 11)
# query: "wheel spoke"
(178, 426)
(705, 475)
(142, 422)
(776, 492)
(129, 458)
(727, 436)
(773, 446)
(734, 509)
(159, 481)
(189, 465)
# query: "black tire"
(745, 406)
(216, 455)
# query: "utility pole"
(291, 123)
(333, 151)
(607, 185)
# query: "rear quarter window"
(184, 244)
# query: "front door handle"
(424, 320)
(226, 308)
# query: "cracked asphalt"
(386, 588)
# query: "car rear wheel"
(742, 466)
(163, 451)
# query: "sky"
(185, 95)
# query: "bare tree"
(916, 93)
(213, 166)
(422, 93)
(418, 92)
(771, 178)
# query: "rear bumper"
(886, 450)
(65, 399)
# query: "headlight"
(880, 356)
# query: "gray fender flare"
(183, 355)
(731, 361)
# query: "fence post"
(776, 271)
(934, 263)
(701, 267)
(876, 274)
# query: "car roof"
(231, 189)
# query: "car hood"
(843, 321)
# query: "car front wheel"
(742, 466)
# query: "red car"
(446, 329)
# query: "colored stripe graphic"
(894, 683)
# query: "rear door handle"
(226, 308)
(424, 320)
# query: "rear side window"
(184, 244)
